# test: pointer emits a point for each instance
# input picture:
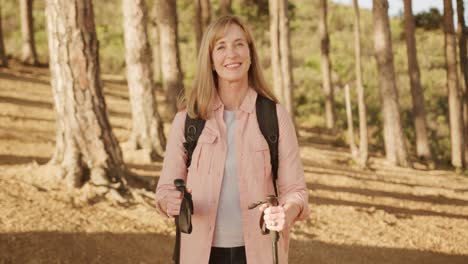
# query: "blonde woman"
(230, 166)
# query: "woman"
(230, 166)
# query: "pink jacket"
(255, 179)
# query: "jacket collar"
(248, 105)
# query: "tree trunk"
(395, 148)
(462, 42)
(3, 55)
(202, 19)
(197, 24)
(285, 57)
(156, 47)
(171, 70)
(463, 65)
(275, 51)
(454, 94)
(147, 126)
(326, 67)
(363, 138)
(349, 118)
(225, 7)
(206, 13)
(419, 112)
(28, 52)
(85, 147)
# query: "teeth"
(233, 65)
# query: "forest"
(88, 91)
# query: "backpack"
(267, 121)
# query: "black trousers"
(234, 255)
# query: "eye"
(240, 44)
(220, 47)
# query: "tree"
(171, 71)
(3, 55)
(454, 94)
(85, 148)
(202, 19)
(206, 12)
(349, 119)
(326, 67)
(156, 46)
(395, 148)
(417, 94)
(28, 52)
(225, 7)
(463, 65)
(281, 53)
(147, 126)
(285, 56)
(363, 138)
(273, 6)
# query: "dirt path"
(381, 215)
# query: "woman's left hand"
(274, 216)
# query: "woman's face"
(231, 55)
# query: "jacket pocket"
(260, 156)
(204, 150)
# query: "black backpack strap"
(192, 131)
(268, 123)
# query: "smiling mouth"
(233, 65)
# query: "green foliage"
(429, 20)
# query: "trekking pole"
(271, 200)
(183, 221)
(180, 186)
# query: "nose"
(231, 51)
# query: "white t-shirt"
(228, 229)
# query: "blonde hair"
(199, 101)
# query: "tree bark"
(419, 113)
(273, 6)
(206, 13)
(3, 55)
(225, 7)
(171, 70)
(197, 24)
(363, 137)
(156, 46)
(202, 19)
(461, 31)
(454, 93)
(395, 148)
(147, 126)
(85, 147)
(28, 52)
(326, 67)
(349, 118)
(285, 57)
(463, 66)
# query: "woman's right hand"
(172, 201)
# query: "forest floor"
(379, 215)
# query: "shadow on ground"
(55, 247)
(320, 252)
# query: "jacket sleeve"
(291, 182)
(174, 164)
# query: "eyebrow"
(236, 40)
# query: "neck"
(232, 93)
